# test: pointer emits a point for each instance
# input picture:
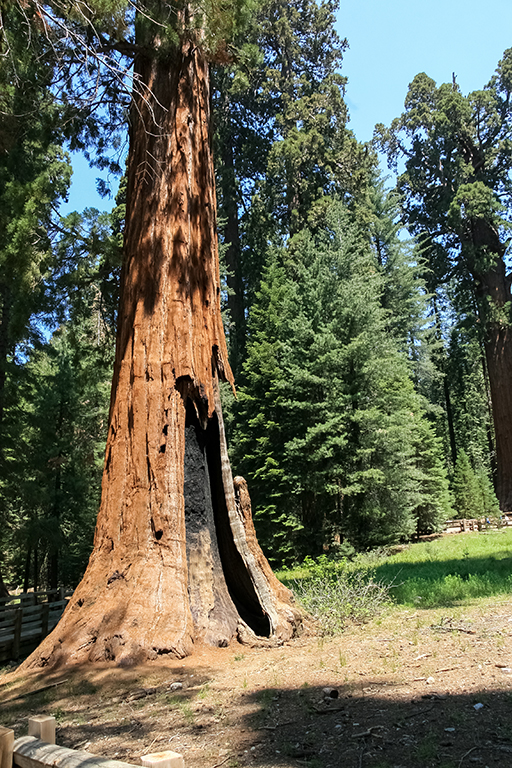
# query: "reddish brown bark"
(493, 289)
(172, 564)
(495, 286)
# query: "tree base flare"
(124, 619)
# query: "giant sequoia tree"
(457, 195)
(175, 557)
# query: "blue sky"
(390, 42)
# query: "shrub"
(335, 592)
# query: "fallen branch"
(369, 732)
(327, 711)
(466, 754)
(277, 725)
(449, 628)
(217, 765)
(420, 712)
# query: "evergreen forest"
(366, 311)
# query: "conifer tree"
(173, 560)
(473, 494)
(329, 419)
(283, 144)
(457, 198)
(34, 175)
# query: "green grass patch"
(450, 570)
(444, 572)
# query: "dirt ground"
(413, 688)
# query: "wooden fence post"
(163, 760)
(45, 610)
(6, 747)
(42, 727)
(17, 634)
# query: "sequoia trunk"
(174, 559)
(495, 285)
(493, 291)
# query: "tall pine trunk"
(495, 286)
(175, 558)
(235, 299)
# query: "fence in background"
(26, 619)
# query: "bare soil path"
(407, 687)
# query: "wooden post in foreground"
(42, 727)
(163, 760)
(6, 747)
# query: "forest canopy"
(367, 323)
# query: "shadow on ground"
(110, 713)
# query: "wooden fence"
(477, 524)
(38, 750)
(26, 619)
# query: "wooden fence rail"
(22, 627)
(477, 524)
(33, 598)
(38, 750)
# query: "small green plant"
(187, 711)
(427, 748)
(239, 656)
(336, 592)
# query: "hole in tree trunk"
(204, 493)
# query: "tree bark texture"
(175, 560)
(494, 294)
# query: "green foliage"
(470, 397)
(456, 186)
(456, 194)
(334, 593)
(466, 489)
(473, 493)
(56, 420)
(450, 570)
(52, 491)
(332, 436)
(282, 145)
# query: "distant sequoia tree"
(175, 558)
(457, 195)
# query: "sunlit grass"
(448, 571)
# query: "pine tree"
(329, 415)
(282, 140)
(466, 489)
(34, 176)
(58, 427)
